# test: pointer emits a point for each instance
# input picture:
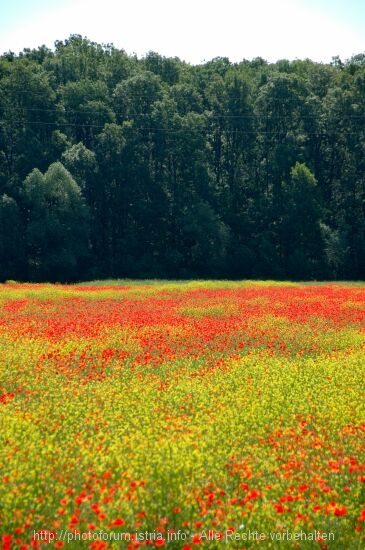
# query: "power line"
(208, 114)
(156, 129)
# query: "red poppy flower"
(279, 508)
(340, 511)
(117, 522)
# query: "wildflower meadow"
(185, 415)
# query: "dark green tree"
(300, 236)
(27, 120)
(57, 231)
(12, 249)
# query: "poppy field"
(182, 415)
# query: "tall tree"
(12, 249)
(300, 237)
(57, 225)
(27, 119)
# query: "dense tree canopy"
(113, 166)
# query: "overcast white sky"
(194, 30)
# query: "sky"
(193, 30)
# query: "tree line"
(114, 166)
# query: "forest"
(115, 166)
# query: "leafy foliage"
(236, 170)
(57, 224)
